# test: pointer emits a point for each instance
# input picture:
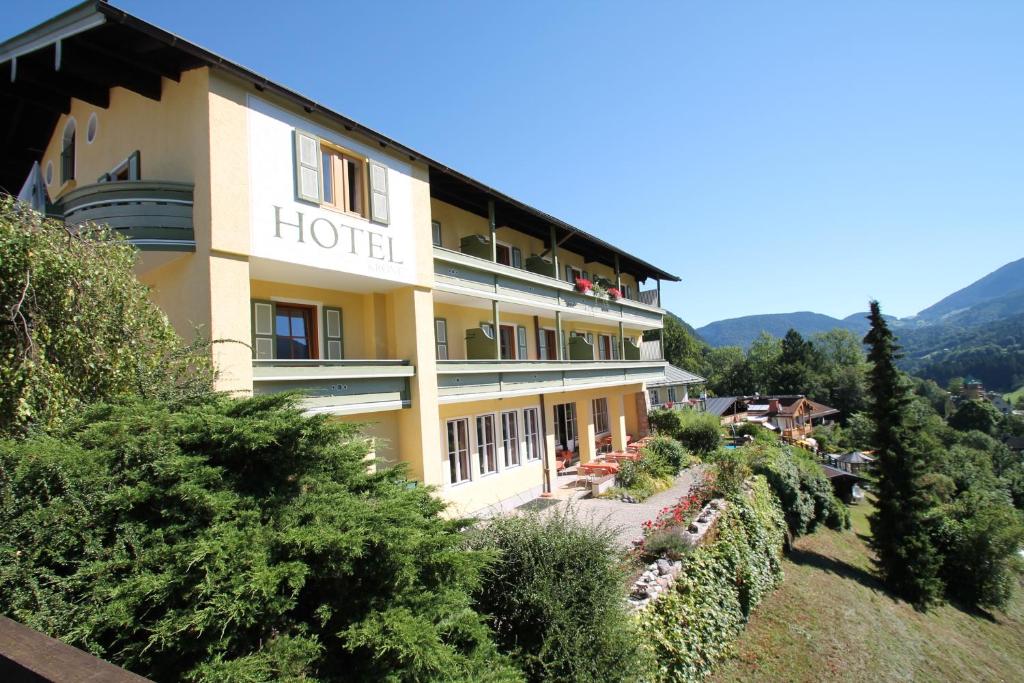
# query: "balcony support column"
(618, 274)
(617, 417)
(492, 221)
(496, 321)
(554, 252)
(587, 433)
(622, 341)
(558, 336)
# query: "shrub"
(751, 429)
(730, 471)
(665, 421)
(555, 597)
(694, 625)
(236, 540)
(669, 451)
(666, 543)
(802, 488)
(78, 326)
(978, 536)
(700, 432)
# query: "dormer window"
(67, 152)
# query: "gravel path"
(627, 518)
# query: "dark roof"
(855, 458)
(1015, 443)
(98, 46)
(821, 410)
(836, 473)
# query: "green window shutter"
(441, 338)
(568, 274)
(307, 167)
(379, 210)
(263, 341)
(524, 351)
(517, 257)
(334, 333)
(135, 166)
(435, 229)
(615, 347)
(542, 345)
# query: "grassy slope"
(832, 621)
(1014, 395)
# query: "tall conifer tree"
(906, 557)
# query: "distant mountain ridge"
(997, 296)
(999, 284)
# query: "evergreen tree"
(906, 556)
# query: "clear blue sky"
(778, 156)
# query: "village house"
(793, 417)
(473, 334)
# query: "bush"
(668, 543)
(730, 471)
(751, 429)
(555, 596)
(236, 540)
(665, 421)
(801, 486)
(978, 537)
(668, 450)
(700, 432)
(694, 626)
(78, 326)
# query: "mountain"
(743, 331)
(1005, 284)
(997, 296)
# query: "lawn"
(832, 621)
(1012, 397)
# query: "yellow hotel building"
(328, 259)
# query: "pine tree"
(906, 558)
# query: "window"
(458, 451)
(565, 426)
(547, 345)
(67, 152)
(604, 347)
(508, 342)
(129, 169)
(672, 394)
(295, 332)
(523, 351)
(517, 257)
(531, 433)
(573, 274)
(343, 179)
(435, 229)
(441, 338)
(627, 292)
(90, 128)
(510, 437)
(486, 445)
(600, 406)
(504, 254)
(655, 401)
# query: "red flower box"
(584, 285)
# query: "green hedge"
(801, 485)
(694, 626)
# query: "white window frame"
(493, 444)
(602, 425)
(533, 437)
(466, 477)
(653, 393)
(507, 457)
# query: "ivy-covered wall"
(695, 625)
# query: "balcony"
(471, 275)
(464, 380)
(155, 215)
(337, 387)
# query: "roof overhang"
(94, 46)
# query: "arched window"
(67, 153)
